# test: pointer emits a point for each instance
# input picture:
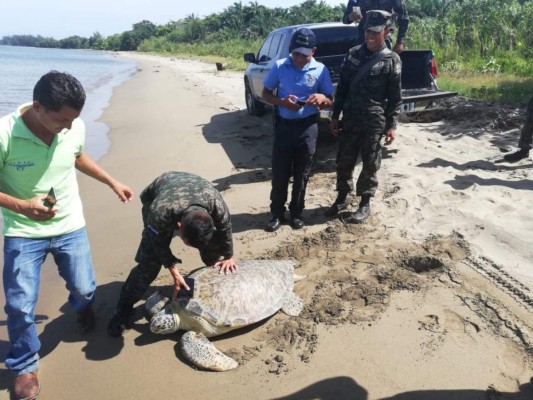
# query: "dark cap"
(303, 41)
(377, 20)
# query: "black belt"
(311, 118)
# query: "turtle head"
(165, 322)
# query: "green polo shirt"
(29, 167)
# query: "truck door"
(267, 56)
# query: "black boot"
(517, 155)
(120, 321)
(340, 204)
(362, 213)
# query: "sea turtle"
(221, 303)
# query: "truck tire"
(253, 106)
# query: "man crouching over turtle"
(175, 204)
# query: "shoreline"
(98, 141)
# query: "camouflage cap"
(377, 20)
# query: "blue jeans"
(23, 259)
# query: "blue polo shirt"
(288, 79)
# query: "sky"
(62, 18)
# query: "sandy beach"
(431, 299)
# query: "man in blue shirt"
(303, 88)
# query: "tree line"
(496, 34)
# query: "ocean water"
(99, 72)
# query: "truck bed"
(417, 82)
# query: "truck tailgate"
(417, 82)
(416, 95)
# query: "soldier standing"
(356, 10)
(175, 204)
(370, 104)
(526, 137)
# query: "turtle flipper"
(155, 303)
(202, 353)
(293, 305)
(164, 322)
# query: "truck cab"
(334, 39)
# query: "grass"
(467, 80)
(500, 88)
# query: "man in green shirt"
(41, 146)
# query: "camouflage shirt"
(169, 197)
(373, 102)
(393, 6)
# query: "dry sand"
(431, 299)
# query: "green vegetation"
(483, 47)
(497, 88)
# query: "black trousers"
(292, 156)
(526, 135)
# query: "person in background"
(526, 137)
(303, 88)
(370, 105)
(41, 146)
(175, 204)
(356, 11)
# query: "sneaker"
(274, 224)
(517, 155)
(119, 322)
(297, 223)
(86, 320)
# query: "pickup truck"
(334, 39)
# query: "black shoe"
(335, 208)
(517, 155)
(119, 322)
(360, 216)
(297, 223)
(274, 224)
(86, 320)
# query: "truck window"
(274, 46)
(334, 41)
(263, 55)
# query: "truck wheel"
(254, 107)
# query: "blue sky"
(63, 18)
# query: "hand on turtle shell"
(226, 266)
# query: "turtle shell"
(257, 290)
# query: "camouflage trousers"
(353, 141)
(142, 275)
(526, 135)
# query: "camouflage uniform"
(393, 6)
(165, 201)
(370, 107)
(526, 135)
